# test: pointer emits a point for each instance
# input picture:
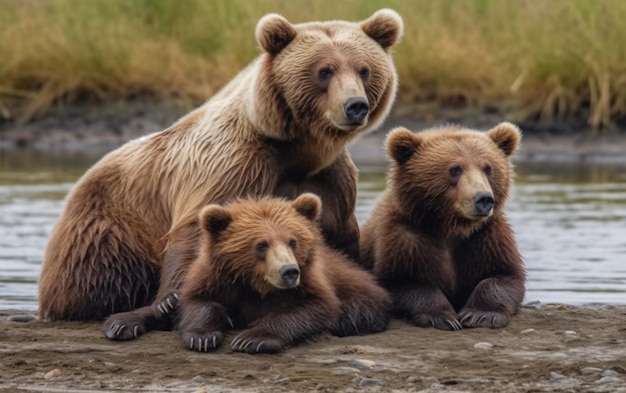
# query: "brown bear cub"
(263, 267)
(279, 128)
(438, 238)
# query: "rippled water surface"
(569, 220)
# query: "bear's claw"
(487, 319)
(203, 342)
(246, 342)
(168, 304)
(120, 330)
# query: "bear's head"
(331, 79)
(266, 244)
(451, 179)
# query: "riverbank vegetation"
(533, 59)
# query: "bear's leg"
(493, 302)
(365, 305)
(282, 328)
(424, 306)
(202, 325)
(94, 270)
(132, 324)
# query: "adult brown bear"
(280, 127)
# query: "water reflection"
(568, 221)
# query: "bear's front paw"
(167, 305)
(122, 328)
(472, 318)
(251, 342)
(202, 342)
(442, 321)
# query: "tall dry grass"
(534, 58)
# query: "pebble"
(365, 382)
(590, 370)
(608, 380)
(483, 345)
(197, 379)
(281, 381)
(200, 391)
(569, 333)
(526, 331)
(556, 376)
(53, 374)
(361, 364)
(609, 373)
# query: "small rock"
(109, 364)
(609, 373)
(413, 379)
(590, 370)
(438, 386)
(197, 379)
(619, 369)
(526, 331)
(483, 345)
(554, 376)
(366, 382)
(361, 364)
(200, 391)
(569, 333)
(53, 374)
(343, 370)
(534, 304)
(608, 380)
(281, 381)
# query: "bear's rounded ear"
(385, 27)
(401, 144)
(507, 136)
(215, 219)
(274, 33)
(308, 205)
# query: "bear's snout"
(289, 274)
(484, 202)
(356, 109)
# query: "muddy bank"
(104, 127)
(548, 348)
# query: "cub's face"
(266, 244)
(337, 76)
(461, 175)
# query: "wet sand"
(548, 348)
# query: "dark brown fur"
(446, 266)
(129, 229)
(227, 286)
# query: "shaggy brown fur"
(280, 127)
(263, 267)
(438, 238)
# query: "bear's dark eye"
(488, 170)
(325, 73)
(262, 247)
(365, 73)
(455, 171)
(293, 243)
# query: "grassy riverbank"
(529, 59)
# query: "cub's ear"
(274, 33)
(308, 205)
(402, 144)
(507, 136)
(215, 219)
(385, 27)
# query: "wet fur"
(443, 270)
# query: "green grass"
(533, 58)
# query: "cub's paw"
(168, 304)
(202, 342)
(123, 328)
(250, 341)
(472, 318)
(443, 321)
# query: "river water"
(569, 220)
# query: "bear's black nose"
(356, 109)
(484, 201)
(289, 274)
